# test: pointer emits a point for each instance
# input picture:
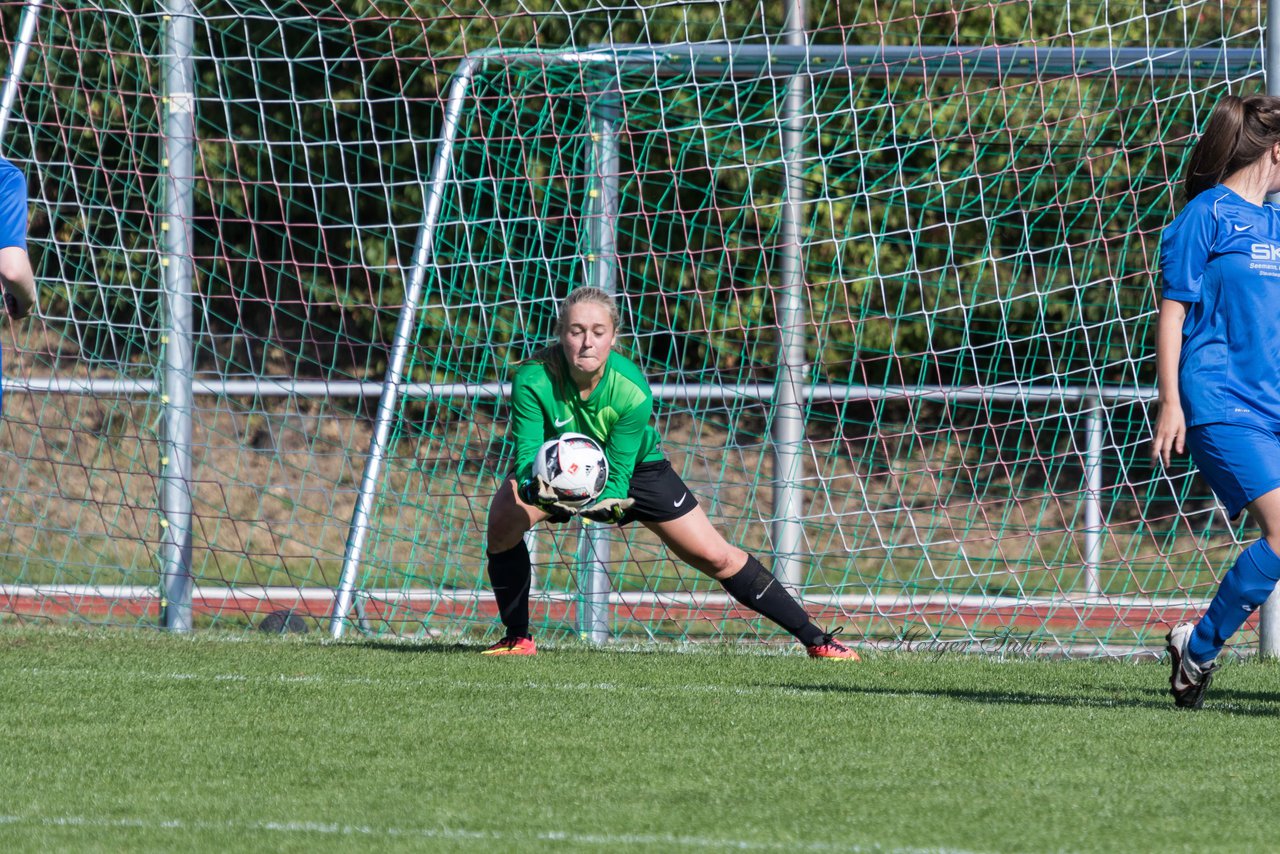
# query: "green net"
(977, 245)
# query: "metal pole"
(178, 268)
(788, 413)
(266, 386)
(594, 544)
(26, 32)
(1269, 613)
(1093, 494)
(401, 343)
(712, 59)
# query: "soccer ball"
(575, 467)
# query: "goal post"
(404, 338)
(1269, 612)
(178, 343)
(779, 64)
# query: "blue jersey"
(13, 206)
(1221, 255)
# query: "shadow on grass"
(552, 648)
(420, 647)
(1225, 701)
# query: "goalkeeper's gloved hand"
(610, 510)
(538, 493)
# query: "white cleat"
(1188, 681)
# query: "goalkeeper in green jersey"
(580, 385)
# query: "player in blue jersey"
(581, 385)
(16, 277)
(17, 281)
(1218, 360)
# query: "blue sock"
(1245, 586)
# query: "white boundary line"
(666, 841)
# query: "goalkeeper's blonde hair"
(587, 293)
(552, 356)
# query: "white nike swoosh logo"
(766, 588)
(681, 501)
(564, 422)
(1242, 227)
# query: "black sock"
(509, 574)
(755, 587)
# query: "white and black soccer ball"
(575, 467)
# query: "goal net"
(954, 212)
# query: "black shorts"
(659, 492)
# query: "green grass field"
(133, 741)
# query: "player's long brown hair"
(1239, 131)
(552, 356)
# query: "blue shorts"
(1240, 462)
(13, 206)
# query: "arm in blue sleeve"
(1184, 253)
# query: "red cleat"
(512, 646)
(832, 648)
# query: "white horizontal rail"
(285, 387)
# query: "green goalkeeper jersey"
(616, 414)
